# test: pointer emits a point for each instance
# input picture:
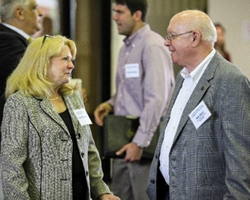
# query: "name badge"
(200, 114)
(82, 117)
(132, 70)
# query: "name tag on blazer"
(200, 114)
(82, 117)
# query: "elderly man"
(20, 20)
(203, 152)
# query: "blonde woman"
(47, 149)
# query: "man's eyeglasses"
(170, 37)
(44, 38)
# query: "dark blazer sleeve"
(12, 48)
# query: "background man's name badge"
(132, 70)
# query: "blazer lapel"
(48, 109)
(71, 103)
(198, 93)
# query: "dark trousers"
(162, 187)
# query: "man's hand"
(101, 111)
(108, 197)
(133, 152)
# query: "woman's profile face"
(61, 67)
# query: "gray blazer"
(36, 150)
(213, 161)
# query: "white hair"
(7, 8)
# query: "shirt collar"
(199, 70)
(130, 40)
(19, 31)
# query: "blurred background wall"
(235, 17)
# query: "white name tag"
(200, 114)
(132, 70)
(82, 117)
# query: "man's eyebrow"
(117, 10)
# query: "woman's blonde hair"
(30, 76)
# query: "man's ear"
(137, 15)
(196, 37)
(19, 13)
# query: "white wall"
(116, 43)
(48, 3)
(235, 17)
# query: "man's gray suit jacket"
(213, 161)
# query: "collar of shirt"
(199, 70)
(19, 31)
(130, 40)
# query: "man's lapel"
(198, 93)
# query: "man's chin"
(173, 57)
(122, 33)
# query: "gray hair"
(7, 8)
(198, 20)
(206, 27)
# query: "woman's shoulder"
(75, 98)
(18, 96)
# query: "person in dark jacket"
(20, 20)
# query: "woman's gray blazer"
(36, 150)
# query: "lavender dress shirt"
(147, 94)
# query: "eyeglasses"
(44, 38)
(170, 37)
